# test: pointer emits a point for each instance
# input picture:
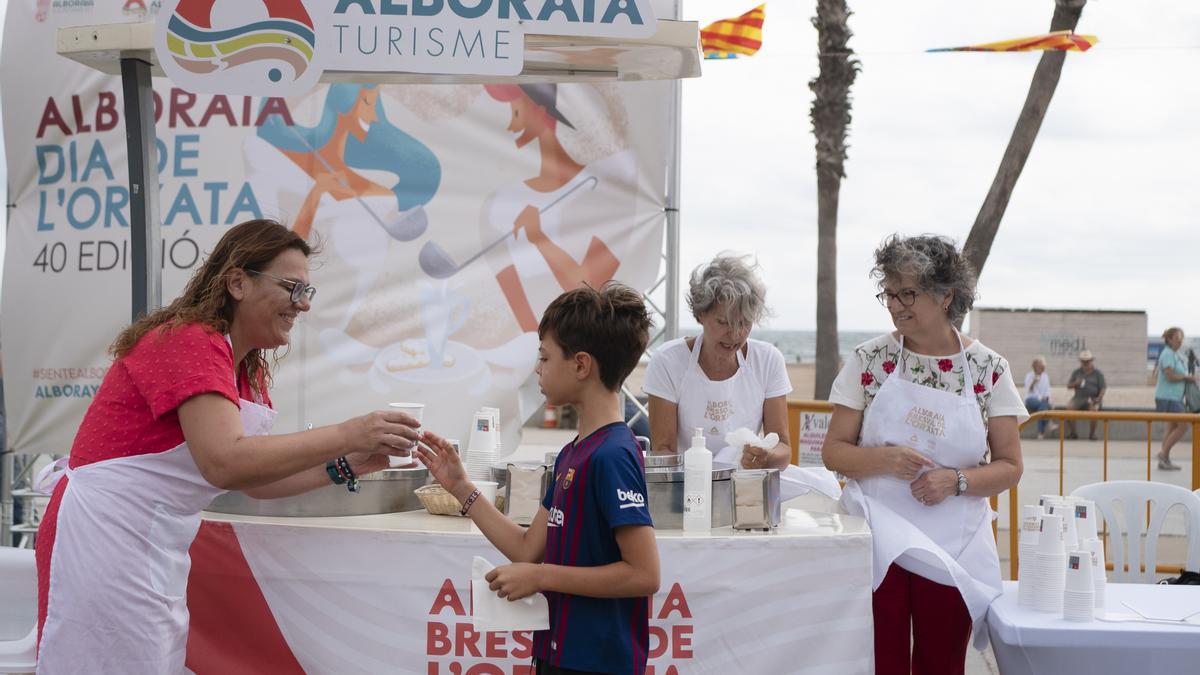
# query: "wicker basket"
(441, 503)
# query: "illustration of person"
(362, 215)
(559, 239)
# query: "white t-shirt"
(1037, 386)
(670, 362)
(874, 361)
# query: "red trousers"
(939, 620)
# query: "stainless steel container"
(387, 491)
(756, 502)
(525, 483)
(664, 487)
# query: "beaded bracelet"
(469, 501)
(351, 480)
(335, 474)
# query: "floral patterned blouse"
(874, 361)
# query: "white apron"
(119, 568)
(718, 407)
(950, 543)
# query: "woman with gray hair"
(925, 426)
(721, 380)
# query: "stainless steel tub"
(387, 491)
(664, 486)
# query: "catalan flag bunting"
(1063, 41)
(731, 38)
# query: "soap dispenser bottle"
(697, 485)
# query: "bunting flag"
(1063, 41)
(731, 38)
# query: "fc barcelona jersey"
(599, 485)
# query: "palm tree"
(1041, 90)
(831, 120)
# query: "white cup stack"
(495, 413)
(1046, 501)
(1049, 565)
(482, 447)
(1085, 520)
(1099, 570)
(1031, 518)
(1066, 509)
(1078, 590)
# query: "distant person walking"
(1037, 393)
(1089, 385)
(1173, 377)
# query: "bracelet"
(470, 500)
(351, 480)
(335, 475)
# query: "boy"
(591, 548)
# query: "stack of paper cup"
(1085, 520)
(1028, 543)
(1099, 570)
(495, 413)
(1066, 509)
(1049, 566)
(1045, 501)
(1078, 592)
(482, 447)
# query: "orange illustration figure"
(543, 246)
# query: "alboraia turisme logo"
(250, 47)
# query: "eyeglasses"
(906, 297)
(298, 289)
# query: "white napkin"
(794, 481)
(494, 613)
(742, 437)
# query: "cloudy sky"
(1105, 214)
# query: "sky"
(1105, 214)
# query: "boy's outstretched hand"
(443, 462)
(515, 581)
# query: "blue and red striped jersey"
(599, 485)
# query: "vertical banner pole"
(140, 139)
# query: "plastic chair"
(18, 610)
(1125, 544)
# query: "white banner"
(403, 187)
(281, 47)
(326, 600)
(813, 426)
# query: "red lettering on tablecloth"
(671, 670)
(447, 597)
(437, 639)
(465, 636)
(675, 601)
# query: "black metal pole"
(145, 262)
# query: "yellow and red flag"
(730, 38)
(1062, 40)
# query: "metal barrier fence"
(797, 407)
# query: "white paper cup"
(415, 411)
(1085, 520)
(487, 489)
(1050, 541)
(1030, 524)
(1079, 572)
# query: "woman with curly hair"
(925, 426)
(182, 416)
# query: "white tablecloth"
(1028, 641)
(389, 594)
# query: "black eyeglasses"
(906, 297)
(299, 289)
